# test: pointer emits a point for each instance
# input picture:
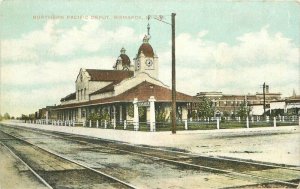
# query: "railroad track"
(55, 170)
(233, 168)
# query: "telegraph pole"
(173, 77)
(174, 110)
(264, 93)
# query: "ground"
(274, 145)
(18, 174)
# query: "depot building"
(131, 92)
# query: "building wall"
(84, 86)
(277, 105)
(134, 81)
(231, 103)
(152, 70)
(81, 86)
(257, 110)
(96, 85)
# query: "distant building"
(230, 103)
(289, 105)
(45, 113)
(42, 113)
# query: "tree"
(6, 116)
(24, 117)
(205, 107)
(226, 114)
(194, 114)
(31, 116)
(104, 115)
(161, 115)
(243, 110)
(131, 111)
(93, 117)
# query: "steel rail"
(35, 173)
(204, 167)
(180, 162)
(70, 160)
(273, 165)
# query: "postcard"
(149, 94)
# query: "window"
(84, 93)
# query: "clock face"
(149, 62)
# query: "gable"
(82, 75)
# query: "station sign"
(143, 103)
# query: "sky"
(228, 46)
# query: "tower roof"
(125, 60)
(146, 48)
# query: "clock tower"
(146, 60)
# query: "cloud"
(22, 84)
(29, 45)
(254, 58)
(43, 64)
(55, 41)
(51, 72)
(265, 48)
(202, 65)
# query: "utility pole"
(264, 94)
(246, 105)
(173, 77)
(174, 110)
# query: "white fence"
(199, 124)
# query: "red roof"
(143, 91)
(147, 50)
(109, 75)
(125, 60)
(71, 96)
